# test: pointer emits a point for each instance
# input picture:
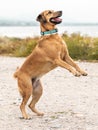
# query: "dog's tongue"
(57, 19)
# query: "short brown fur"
(50, 52)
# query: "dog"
(50, 52)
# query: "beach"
(68, 102)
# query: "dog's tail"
(16, 73)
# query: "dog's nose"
(60, 12)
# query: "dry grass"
(80, 47)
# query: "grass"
(80, 47)
(17, 47)
(25, 47)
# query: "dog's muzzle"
(57, 19)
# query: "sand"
(69, 103)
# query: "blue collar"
(49, 32)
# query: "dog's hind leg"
(25, 88)
(37, 92)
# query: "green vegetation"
(17, 47)
(80, 47)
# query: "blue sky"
(73, 10)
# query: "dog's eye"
(49, 12)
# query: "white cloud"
(76, 10)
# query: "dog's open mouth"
(56, 20)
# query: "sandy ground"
(69, 103)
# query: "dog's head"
(50, 17)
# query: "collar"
(49, 32)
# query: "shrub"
(25, 47)
(80, 47)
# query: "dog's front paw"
(77, 74)
(83, 73)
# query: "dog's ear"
(41, 19)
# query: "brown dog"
(50, 52)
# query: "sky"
(73, 10)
